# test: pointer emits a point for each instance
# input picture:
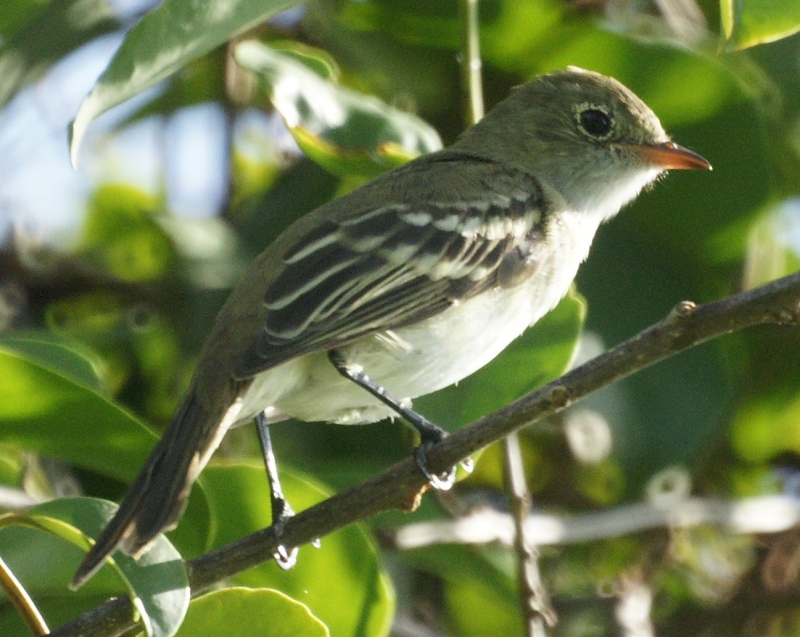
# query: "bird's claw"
(285, 557)
(443, 481)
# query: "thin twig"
(471, 81)
(22, 601)
(767, 514)
(536, 609)
(686, 326)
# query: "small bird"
(406, 285)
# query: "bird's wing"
(393, 264)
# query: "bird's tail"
(158, 496)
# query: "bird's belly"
(408, 362)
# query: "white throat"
(605, 200)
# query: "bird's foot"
(431, 434)
(285, 557)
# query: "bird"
(406, 285)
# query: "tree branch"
(400, 486)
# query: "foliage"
(101, 329)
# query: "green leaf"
(157, 581)
(14, 14)
(479, 590)
(51, 31)
(58, 358)
(765, 426)
(342, 582)
(475, 610)
(243, 612)
(121, 233)
(344, 131)
(317, 60)
(750, 22)
(12, 464)
(764, 422)
(166, 39)
(491, 565)
(44, 564)
(52, 407)
(55, 414)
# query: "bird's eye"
(595, 122)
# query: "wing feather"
(389, 266)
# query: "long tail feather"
(158, 496)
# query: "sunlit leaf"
(317, 60)
(156, 581)
(244, 612)
(766, 426)
(56, 357)
(750, 22)
(344, 131)
(56, 415)
(166, 39)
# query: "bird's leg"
(429, 433)
(281, 510)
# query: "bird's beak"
(671, 156)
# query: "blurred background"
(115, 268)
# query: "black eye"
(595, 123)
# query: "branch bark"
(400, 486)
